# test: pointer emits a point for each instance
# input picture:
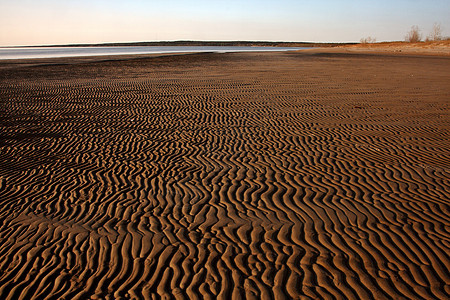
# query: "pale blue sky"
(28, 22)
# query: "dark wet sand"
(309, 175)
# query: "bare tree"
(436, 33)
(368, 40)
(413, 35)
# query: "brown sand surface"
(311, 175)
(436, 48)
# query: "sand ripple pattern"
(273, 176)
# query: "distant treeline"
(209, 43)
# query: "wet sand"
(309, 175)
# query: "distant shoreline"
(55, 52)
(197, 43)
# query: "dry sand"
(436, 48)
(311, 175)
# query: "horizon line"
(130, 43)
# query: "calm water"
(47, 52)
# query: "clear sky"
(36, 22)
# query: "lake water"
(50, 52)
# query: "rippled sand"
(275, 175)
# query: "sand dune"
(275, 175)
(438, 48)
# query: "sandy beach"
(430, 48)
(321, 174)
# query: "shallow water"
(49, 52)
